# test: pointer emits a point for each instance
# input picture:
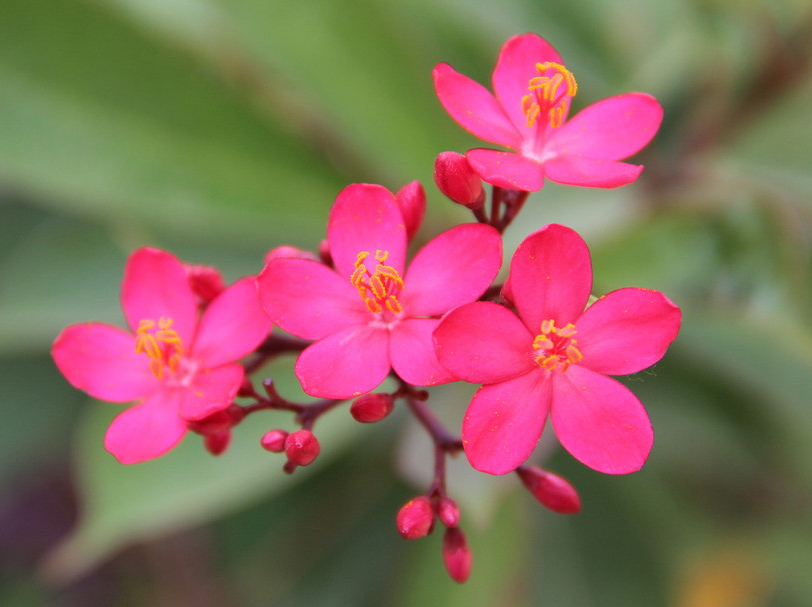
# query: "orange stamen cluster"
(380, 289)
(547, 93)
(556, 347)
(163, 346)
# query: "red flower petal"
(454, 268)
(232, 326)
(506, 169)
(484, 343)
(504, 422)
(573, 169)
(345, 364)
(308, 299)
(550, 277)
(211, 390)
(101, 360)
(612, 129)
(600, 422)
(156, 286)
(474, 107)
(366, 217)
(147, 430)
(626, 331)
(411, 349)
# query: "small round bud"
(411, 200)
(371, 407)
(217, 422)
(324, 253)
(301, 447)
(448, 512)
(550, 490)
(415, 518)
(287, 251)
(274, 441)
(456, 555)
(217, 443)
(206, 282)
(457, 180)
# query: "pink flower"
(528, 114)
(552, 357)
(367, 316)
(179, 365)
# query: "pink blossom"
(177, 363)
(553, 357)
(366, 316)
(528, 113)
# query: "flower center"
(555, 348)
(380, 289)
(162, 345)
(550, 92)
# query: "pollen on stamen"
(163, 347)
(546, 94)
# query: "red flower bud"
(301, 447)
(206, 282)
(411, 200)
(286, 251)
(448, 512)
(324, 253)
(217, 443)
(456, 555)
(415, 518)
(550, 490)
(274, 441)
(457, 180)
(371, 407)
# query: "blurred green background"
(219, 129)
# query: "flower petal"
(600, 422)
(211, 390)
(101, 360)
(514, 69)
(147, 430)
(484, 343)
(506, 169)
(627, 330)
(474, 107)
(233, 325)
(366, 217)
(156, 286)
(454, 268)
(308, 299)
(550, 277)
(574, 169)
(504, 422)
(411, 349)
(611, 129)
(345, 364)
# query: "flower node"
(547, 93)
(555, 348)
(380, 289)
(163, 346)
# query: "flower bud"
(415, 518)
(550, 490)
(371, 407)
(411, 200)
(287, 251)
(457, 180)
(274, 441)
(205, 281)
(217, 422)
(324, 253)
(448, 512)
(456, 555)
(217, 443)
(301, 447)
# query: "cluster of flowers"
(357, 313)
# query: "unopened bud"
(287, 251)
(550, 490)
(457, 180)
(411, 200)
(415, 518)
(205, 281)
(448, 512)
(371, 407)
(324, 253)
(217, 422)
(217, 443)
(456, 555)
(274, 441)
(301, 447)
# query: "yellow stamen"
(556, 347)
(546, 93)
(163, 347)
(380, 289)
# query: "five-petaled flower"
(553, 356)
(533, 91)
(366, 316)
(178, 363)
